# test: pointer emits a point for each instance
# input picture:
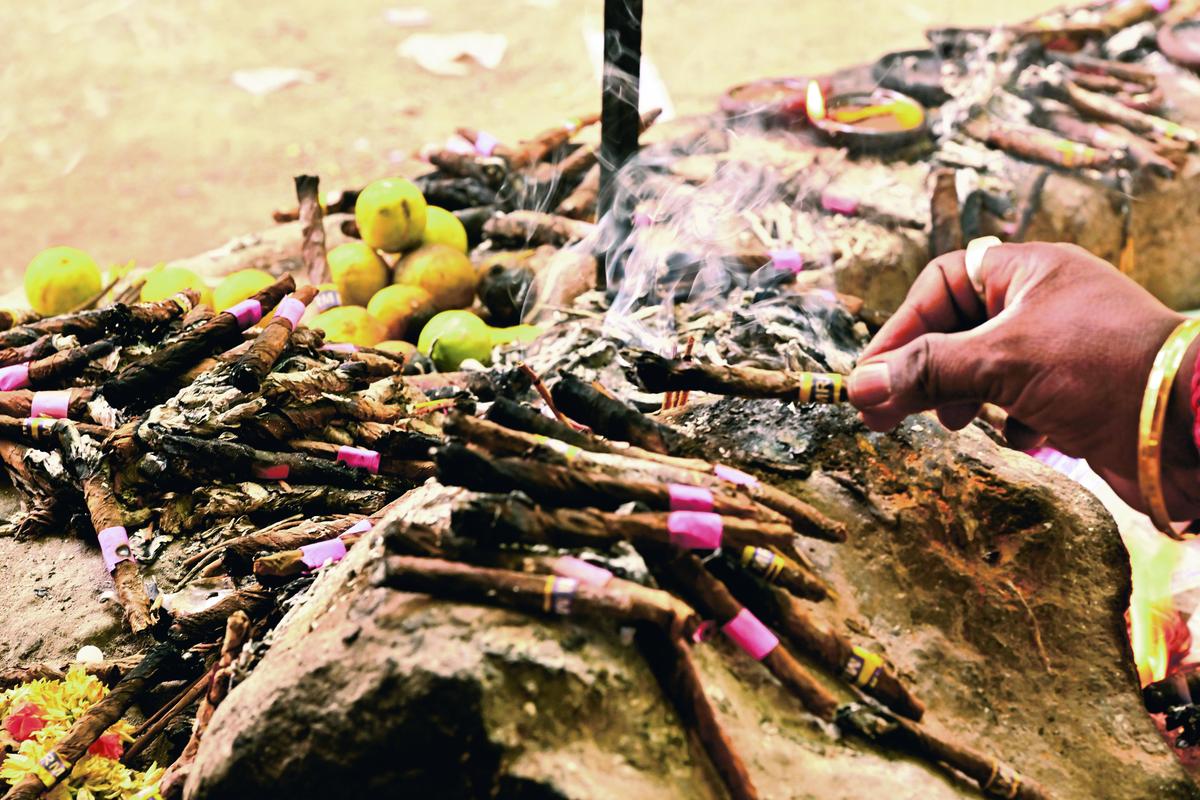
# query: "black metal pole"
(619, 102)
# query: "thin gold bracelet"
(1154, 414)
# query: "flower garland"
(39, 713)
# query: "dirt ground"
(122, 133)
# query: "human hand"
(1063, 342)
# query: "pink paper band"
(315, 555)
(330, 298)
(486, 144)
(839, 205)
(291, 309)
(750, 635)
(340, 347)
(789, 260)
(695, 530)
(271, 472)
(246, 312)
(734, 476)
(642, 220)
(114, 546)
(359, 457)
(362, 526)
(14, 377)
(1160, 5)
(582, 571)
(689, 498)
(54, 404)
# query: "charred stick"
(371, 460)
(459, 465)
(253, 365)
(340, 201)
(224, 457)
(217, 685)
(946, 234)
(201, 625)
(91, 466)
(540, 387)
(671, 662)
(242, 550)
(1119, 70)
(681, 398)
(287, 564)
(312, 251)
(533, 150)
(1106, 83)
(710, 597)
(39, 348)
(162, 660)
(508, 521)
(205, 506)
(1107, 108)
(110, 321)
(658, 374)
(580, 204)
(150, 730)
(533, 228)
(11, 318)
(855, 665)
(488, 171)
(1141, 151)
(995, 778)
(55, 370)
(531, 593)
(619, 121)
(505, 441)
(585, 158)
(455, 194)
(282, 387)
(612, 418)
(1038, 144)
(25, 403)
(141, 380)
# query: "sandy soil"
(122, 133)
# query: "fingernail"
(870, 385)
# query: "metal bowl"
(915, 72)
(863, 140)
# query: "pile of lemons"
(407, 282)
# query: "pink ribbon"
(750, 634)
(14, 377)
(788, 260)
(114, 546)
(246, 312)
(55, 404)
(734, 476)
(359, 457)
(486, 144)
(1160, 5)
(340, 347)
(695, 530)
(582, 571)
(291, 309)
(689, 498)
(315, 555)
(839, 205)
(271, 472)
(362, 526)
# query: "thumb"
(933, 370)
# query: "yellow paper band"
(180, 299)
(762, 562)
(548, 594)
(51, 767)
(822, 387)
(568, 451)
(863, 667)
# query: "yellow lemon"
(60, 278)
(161, 284)
(406, 349)
(358, 272)
(351, 325)
(441, 270)
(403, 309)
(390, 214)
(238, 286)
(442, 227)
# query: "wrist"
(1181, 456)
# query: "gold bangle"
(1154, 414)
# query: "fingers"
(950, 372)
(1020, 436)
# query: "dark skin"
(1063, 342)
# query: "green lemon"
(239, 286)
(350, 324)
(163, 283)
(358, 272)
(442, 227)
(390, 214)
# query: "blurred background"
(149, 130)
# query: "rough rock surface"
(962, 555)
